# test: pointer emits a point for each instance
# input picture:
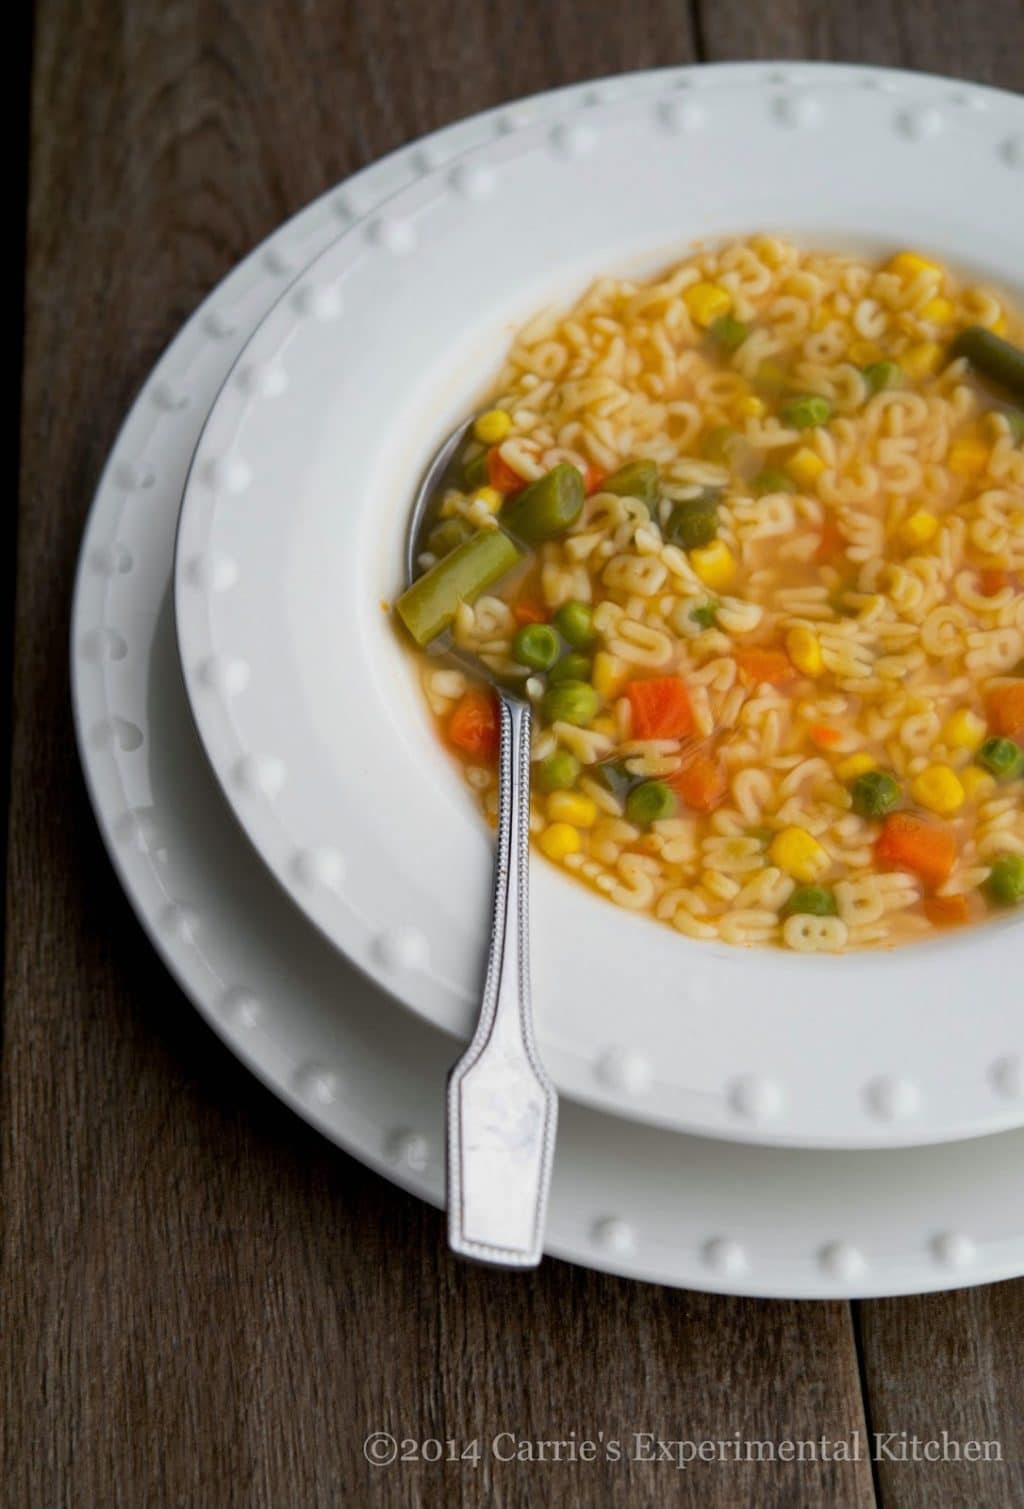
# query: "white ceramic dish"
(290, 538)
(626, 1198)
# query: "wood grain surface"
(203, 1303)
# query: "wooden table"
(204, 1303)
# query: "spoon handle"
(502, 1108)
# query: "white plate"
(626, 1198)
(309, 707)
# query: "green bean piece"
(536, 646)
(772, 378)
(637, 479)
(729, 333)
(558, 771)
(474, 472)
(811, 901)
(875, 793)
(718, 444)
(444, 536)
(706, 616)
(650, 802)
(614, 777)
(1002, 758)
(574, 667)
(429, 606)
(547, 507)
(570, 702)
(771, 480)
(807, 412)
(1005, 884)
(575, 622)
(993, 357)
(882, 375)
(691, 523)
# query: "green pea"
(574, 667)
(771, 480)
(875, 793)
(1002, 757)
(811, 901)
(706, 615)
(1005, 883)
(474, 472)
(807, 412)
(637, 479)
(558, 771)
(881, 375)
(649, 803)
(547, 507)
(575, 622)
(570, 702)
(729, 333)
(447, 534)
(718, 444)
(693, 522)
(536, 646)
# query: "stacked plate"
(731, 1120)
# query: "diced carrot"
(825, 735)
(593, 477)
(501, 475)
(1005, 708)
(947, 911)
(474, 725)
(910, 843)
(701, 783)
(528, 612)
(832, 540)
(661, 708)
(758, 664)
(992, 580)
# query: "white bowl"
(309, 707)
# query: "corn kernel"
(490, 497)
(707, 302)
(907, 264)
(714, 564)
(798, 853)
(804, 650)
(559, 840)
(922, 359)
(919, 528)
(609, 674)
(1000, 327)
(863, 353)
(964, 729)
(855, 765)
(977, 784)
(940, 311)
(492, 428)
(572, 807)
(805, 467)
(751, 407)
(605, 724)
(968, 455)
(938, 787)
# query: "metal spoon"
(502, 1107)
